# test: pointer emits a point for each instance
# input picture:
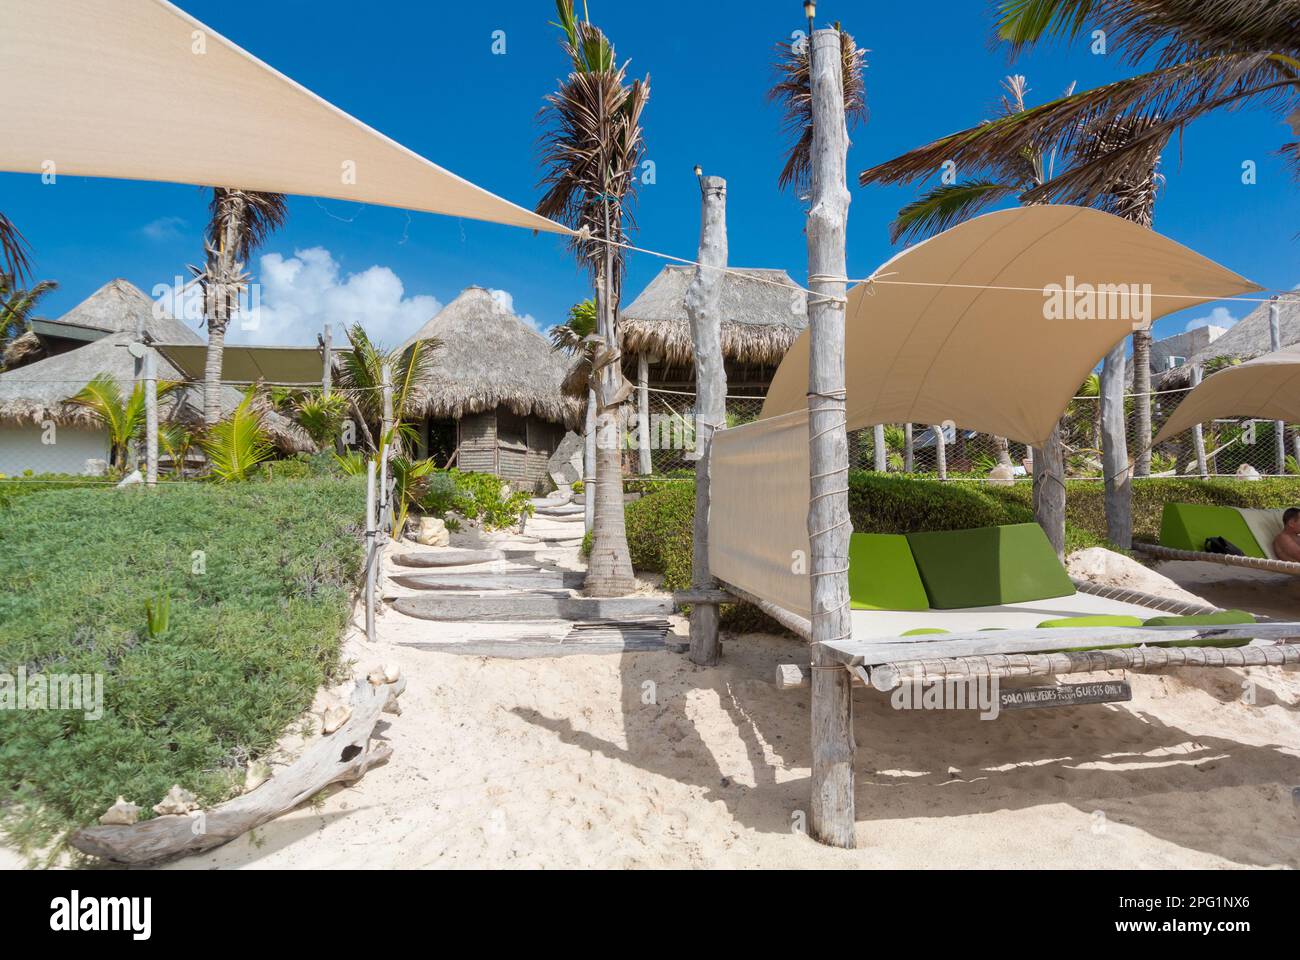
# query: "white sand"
(646, 760)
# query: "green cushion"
(921, 630)
(1221, 619)
(882, 574)
(1186, 526)
(988, 566)
(1097, 620)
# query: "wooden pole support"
(832, 816)
(151, 416)
(1198, 433)
(372, 543)
(643, 413)
(704, 310)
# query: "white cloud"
(164, 228)
(507, 300)
(1218, 317)
(300, 294)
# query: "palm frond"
(235, 445)
(244, 218)
(13, 251)
(793, 91)
(946, 205)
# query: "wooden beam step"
(508, 607)
(505, 580)
(448, 557)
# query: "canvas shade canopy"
(991, 360)
(280, 366)
(1267, 387)
(139, 90)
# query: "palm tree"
(17, 306)
(361, 379)
(235, 445)
(1207, 57)
(123, 419)
(240, 222)
(591, 148)
(13, 251)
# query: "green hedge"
(252, 632)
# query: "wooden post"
(1048, 465)
(704, 310)
(1114, 451)
(1279, 426)
(372, 544)
(878, 447)
(386, 444)
(327, 370)
(909, 450)
(151, 417)
(643, 412)
(832, 818)
(1198, 432)
(589, 463)
(940, 450)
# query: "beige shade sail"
(278, 366)
(1002, 361)
(139, 90)
(1267, 387)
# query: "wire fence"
(1233, 446)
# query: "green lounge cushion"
(1186, 526)
(882, 574)
(918, 631)
(988, 566)
(1223, 618)
(1096, 620)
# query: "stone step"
(508, 607)
(544, 640)
(566, 510)
(505, 580)
(447, 557)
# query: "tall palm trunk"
(221, 283)
(1142, 401)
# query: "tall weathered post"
(643, 413)
(878, 448)
(940, 450)
(1114, 451)
(1048, 469)
(1279, 426)
(327, 358)
(908, 448)
(704, 310)
(1198, 434)
(151, 417)
(828, 450)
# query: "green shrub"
(12, 488)
(253, 627)
(475, 496)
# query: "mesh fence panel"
(1231, 444)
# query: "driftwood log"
(340, 757)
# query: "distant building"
(1174, 351)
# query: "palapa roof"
(763, 311)
(39, 391)
(490, 358)
(1246, 339)
(119, 305)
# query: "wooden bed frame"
(1251, 563)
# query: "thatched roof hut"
(119, 306)
(1245, 340)
(763, 312)
(490, 358)
(39, 391)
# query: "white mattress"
(875, 624)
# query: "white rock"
(256, 774)
(178, 801)
(1002, 476)
(121, 813)
(334, 718)
(95, 467)
(432, 532)
(131, 479)
(1247, 472)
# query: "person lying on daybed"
(1286, 545)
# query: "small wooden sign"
(1064, 695)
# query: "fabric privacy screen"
(139, 90)
(1003, 361)
(1267, 387)
(758, 510)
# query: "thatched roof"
(491, 358)
(119, 305)
(37, 392)
(763, 311)
(1246, 339)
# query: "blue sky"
(425, 74)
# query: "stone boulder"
(432, 532)
(565, 465)
(1247, 472)
(1002, 476)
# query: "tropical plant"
(124, 420)
(178, 441)
(352, 463)
(239, 222)
(571, 337)
(321, 416)
(158, 615)
(240, 442)
(409, 481)
(17, 305)
(793, 92)
(591, 148)
(361, 380)
(13, 251)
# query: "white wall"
(21, 448)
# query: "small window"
(512, 430)
(1176, 362)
